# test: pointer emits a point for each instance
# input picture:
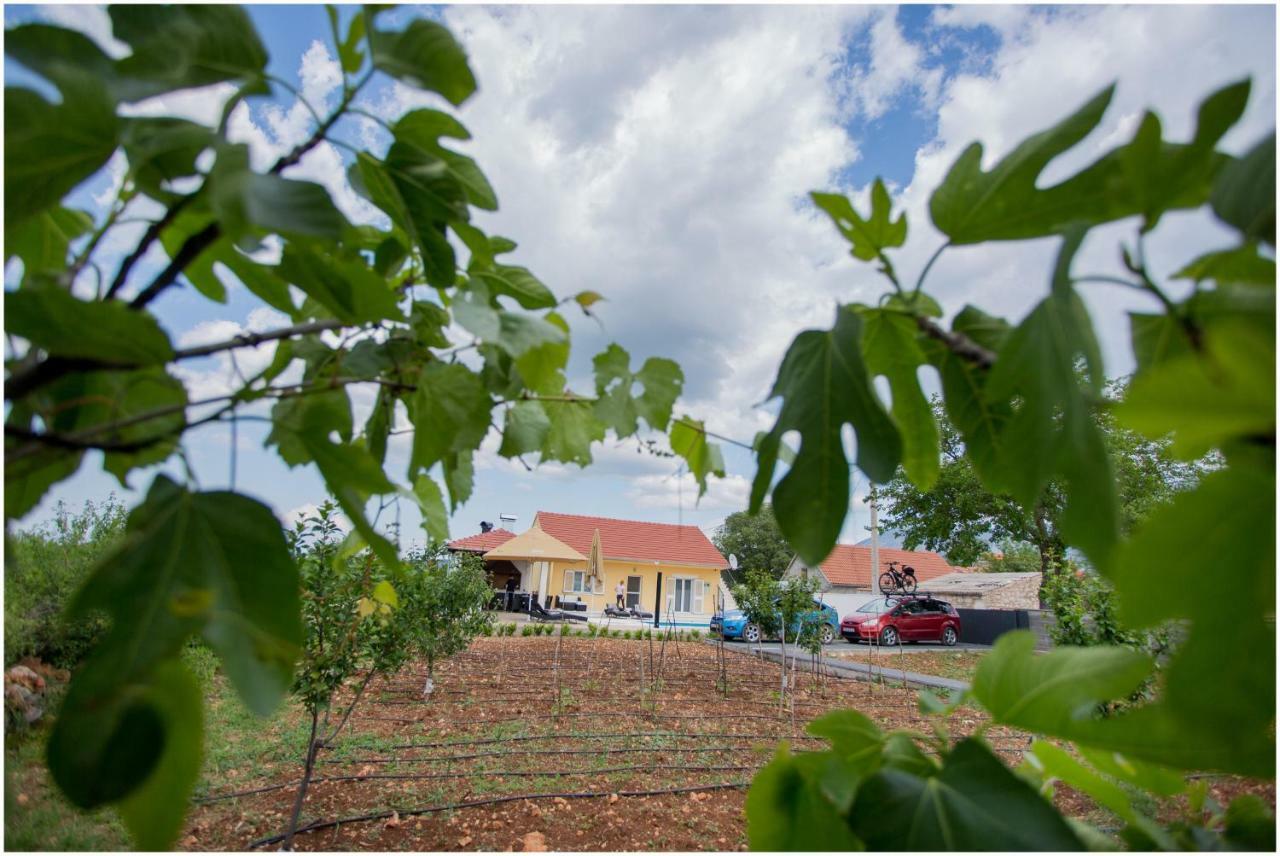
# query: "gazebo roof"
(534, 544)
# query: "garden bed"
(496, 758)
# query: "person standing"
(621, 592)
(511, 594)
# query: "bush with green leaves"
(44, 567)
(91, 367)
(757, 596)
(1023, 398)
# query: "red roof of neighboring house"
(483, 542)
(633, 539)
(849, 565)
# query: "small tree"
(756, 597)
(794, 609)
(443, 597)
(755, 540)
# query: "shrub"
(46, 566)
(527, 630)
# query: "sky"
(662, 156)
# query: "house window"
(575, 582)
(686, 595)
(633, 592)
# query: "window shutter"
(568, 581)
(697, 599)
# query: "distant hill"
(892, 540)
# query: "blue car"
(734, 624)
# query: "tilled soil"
(562, 744)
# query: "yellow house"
(669, 570)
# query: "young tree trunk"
(312, 747)
(430, 685)
(350, 708)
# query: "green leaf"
(1162, 177)
(854, 737)
(260, 280)
(56, 53)
(1208, 400)
(1147, 176)
(572, 431)
(1053, 430)
(435, 520)
(974, 803)
(825, 385)
(1215, 713)
(286, 206)
(349, 53)
(340, 282)
(1150, 777)
(788, 811)
(524, 429)
(518, 283)
(318, 413)
(105, 331)
(108, 405)
(1056, 693)
(459, 477)
(450, 413)
(418, 197)
(181, 545)
(1243, 264)
(180, 47)
(50, 148)
(971, 206)
(1157, 337)
(1057, 763)
(163, 149)
(1244, 195)
(424, 55)
(154, 813)
(618, 408)
(587, 299)
(27, 480)
(1249, 824)
(42, 242)
(352, 476)
(890, 347)
(688, 439)
(875, 234)
(422, 130)
(979, 417)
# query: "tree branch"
(249, 340)
(958, 343)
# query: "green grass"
(37, 816)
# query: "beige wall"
(616, 571)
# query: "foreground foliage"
(1027, 401)
(454, 343)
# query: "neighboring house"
(845, 575)
(575, 557)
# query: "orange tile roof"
(850, 565)
(633, 539)
(482, 542)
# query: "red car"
(903, 618)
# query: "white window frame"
(575, 582)
(697, 589)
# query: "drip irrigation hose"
(328, 824)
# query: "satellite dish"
(733, 562)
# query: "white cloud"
(896, 67)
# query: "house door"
(633, 592)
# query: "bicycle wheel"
(908, 583)
(887, 584)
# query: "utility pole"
(875, 539)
